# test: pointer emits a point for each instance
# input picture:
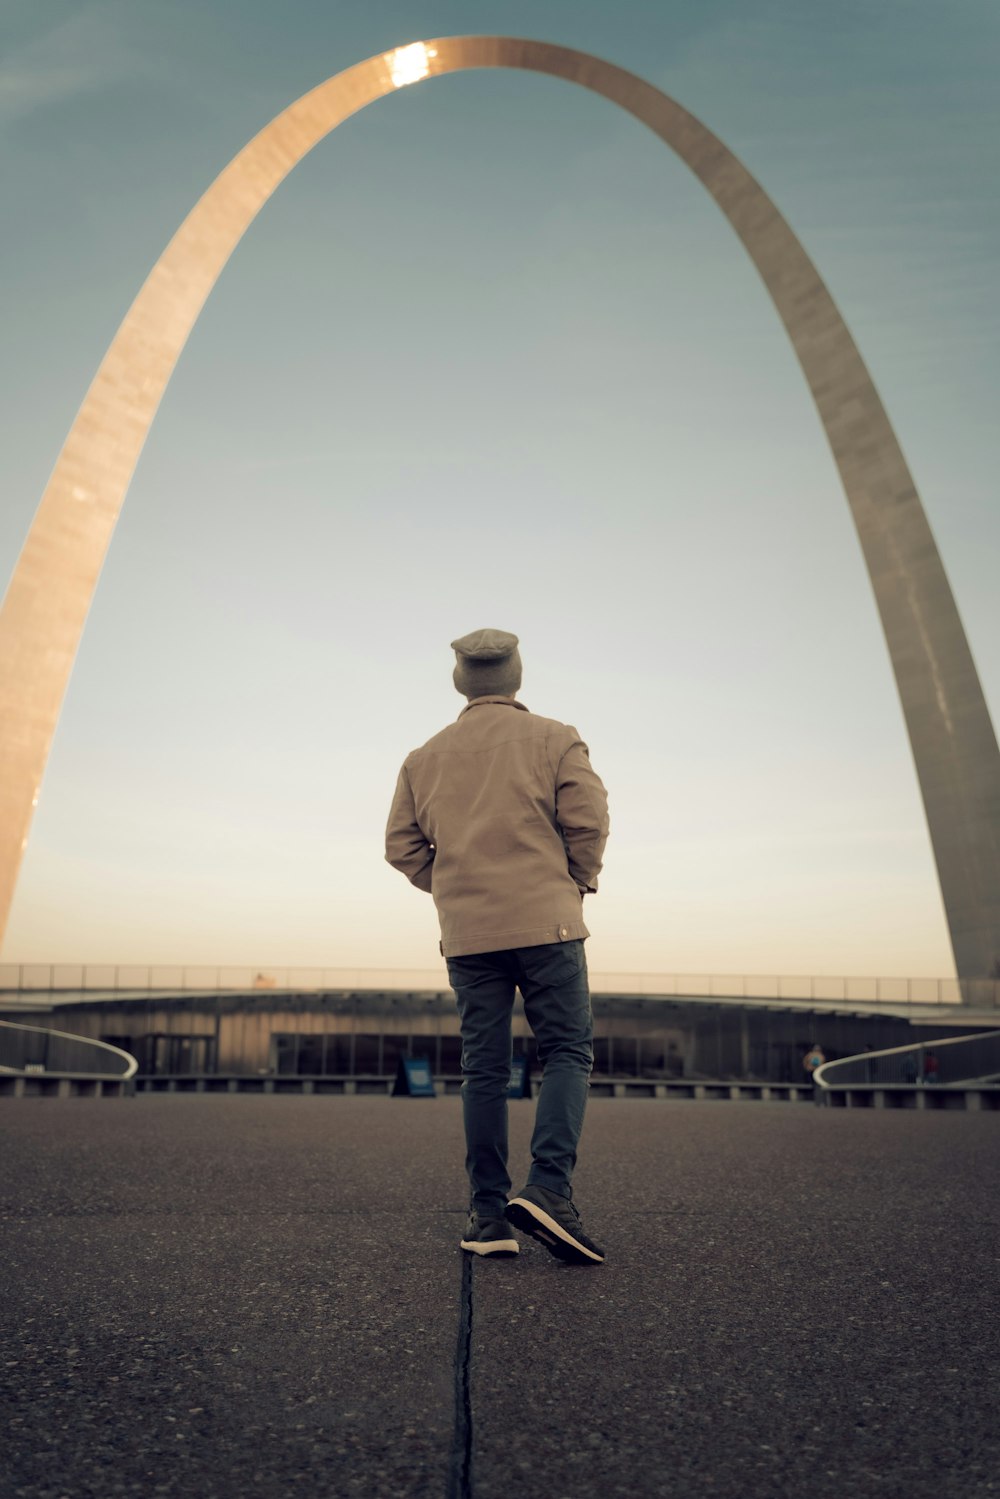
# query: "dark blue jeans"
(553, 982)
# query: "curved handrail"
(952, 1059)
(61, 1053)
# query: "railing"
(958, 1059)
(110, 978)
(30, 1049)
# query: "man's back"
(502, 818)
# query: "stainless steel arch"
(952, 737)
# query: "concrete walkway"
(218, 1296)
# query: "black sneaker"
(489, 1236)
(554, 1222)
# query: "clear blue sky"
(492, 357)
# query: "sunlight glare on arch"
(410, 64)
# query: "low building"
(331, 1036)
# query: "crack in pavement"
(460, 1470)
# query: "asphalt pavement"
(211, 1295)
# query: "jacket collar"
(507, 702)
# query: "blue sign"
(414, 1079)
(520, 1079)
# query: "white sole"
(493, 1246)
(551, 1228)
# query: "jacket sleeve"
(406, 848)
(582, 814)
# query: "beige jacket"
(502, 819)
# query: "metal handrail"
(123, 978)
(28, 1049)
(952, 1059)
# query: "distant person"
(932, 1067)
(501, 818)
(813, 1058)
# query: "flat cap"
(486, 645)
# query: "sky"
(491, 356)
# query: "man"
(814, 1057)
(501, 818)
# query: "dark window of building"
(394, 1047)
(337, 1053)
(284, 1054)
(310, 1061)
(652, 1056)
(615, 1056)
(180, 1056)
(367, 1053)
(310, 1054)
